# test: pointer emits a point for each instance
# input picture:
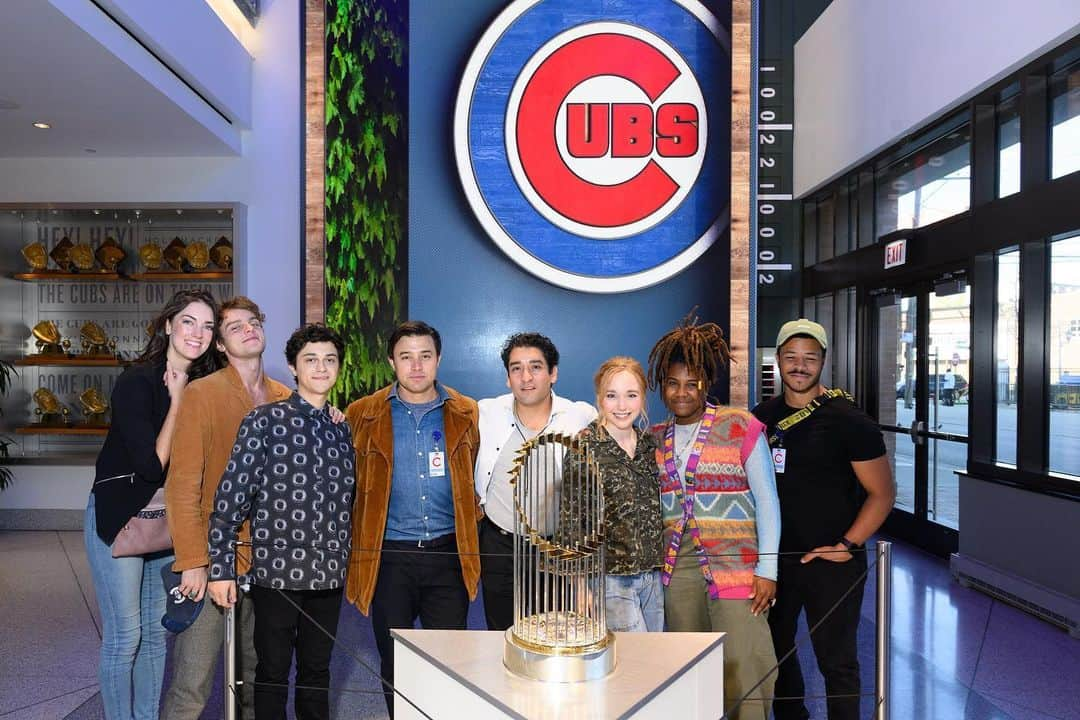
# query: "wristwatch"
(846, 543)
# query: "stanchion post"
(884, 628)
(232, 694)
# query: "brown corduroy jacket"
(210, 414)
(373, 438)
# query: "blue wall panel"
(461, 283)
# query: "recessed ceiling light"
(42, 125)
(89, 150)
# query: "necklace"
(680, 453)
(518, 424)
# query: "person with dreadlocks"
(721, 515)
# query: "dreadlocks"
(701, 348)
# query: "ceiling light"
(89, 150)
(42, 125)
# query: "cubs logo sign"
(592, 138)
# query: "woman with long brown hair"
(130, 469)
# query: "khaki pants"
(195, 657)
(748, 647)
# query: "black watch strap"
(847, 543)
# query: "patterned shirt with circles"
(292, 473)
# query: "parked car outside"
(936, 382)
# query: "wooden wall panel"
(739, 332)
(314, 161)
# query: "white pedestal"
(452, 674)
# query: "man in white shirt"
(506, 423)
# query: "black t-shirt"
(819, 493)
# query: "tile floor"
(956, 653)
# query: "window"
(1007, 352)
(1065, 355)
(1065, 120)
(930, 183)
(826, 212)
(809, 233)
(1008, 141)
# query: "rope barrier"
(350, 653)
(727, 714)
(426, 551)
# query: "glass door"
(922, 354)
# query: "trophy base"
(558, 668)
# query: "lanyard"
(777, 438)
(686, 500)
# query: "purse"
(145, 533)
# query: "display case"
(78, 290)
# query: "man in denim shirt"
(415, 548)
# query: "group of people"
(717, 519)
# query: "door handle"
(918, 428)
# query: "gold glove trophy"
(61, 254)
(198, 255)
(49, 410)
(221, 253)
(560, 625)
(47, 339)
(95, 343)
(110, 255)
(94, 407)
(36, 256)
(151, 256)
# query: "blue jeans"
(634, 603)
(132, 600)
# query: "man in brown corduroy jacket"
(210, 415)
(415, 546)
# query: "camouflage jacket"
(631, 486)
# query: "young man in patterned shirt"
(292, 473)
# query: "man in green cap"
(836, 489)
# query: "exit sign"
(896, 253)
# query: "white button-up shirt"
(498, 429)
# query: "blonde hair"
(608, 370)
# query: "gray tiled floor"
(956, 653)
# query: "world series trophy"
(560, 626)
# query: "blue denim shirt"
(421, 507)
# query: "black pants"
(497, 575)
(279, 627)
(817, 586)
(416, 582)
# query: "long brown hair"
(158, 346)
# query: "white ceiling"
(56, 72)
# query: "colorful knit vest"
(723, 505)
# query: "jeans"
(196, 653)
(497, 575)
(815, 587)
(132, 601)
(415, 584)
(288, 619)
(748, 646)
(634, 603)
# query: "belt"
(450, 539)
(496, 528)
